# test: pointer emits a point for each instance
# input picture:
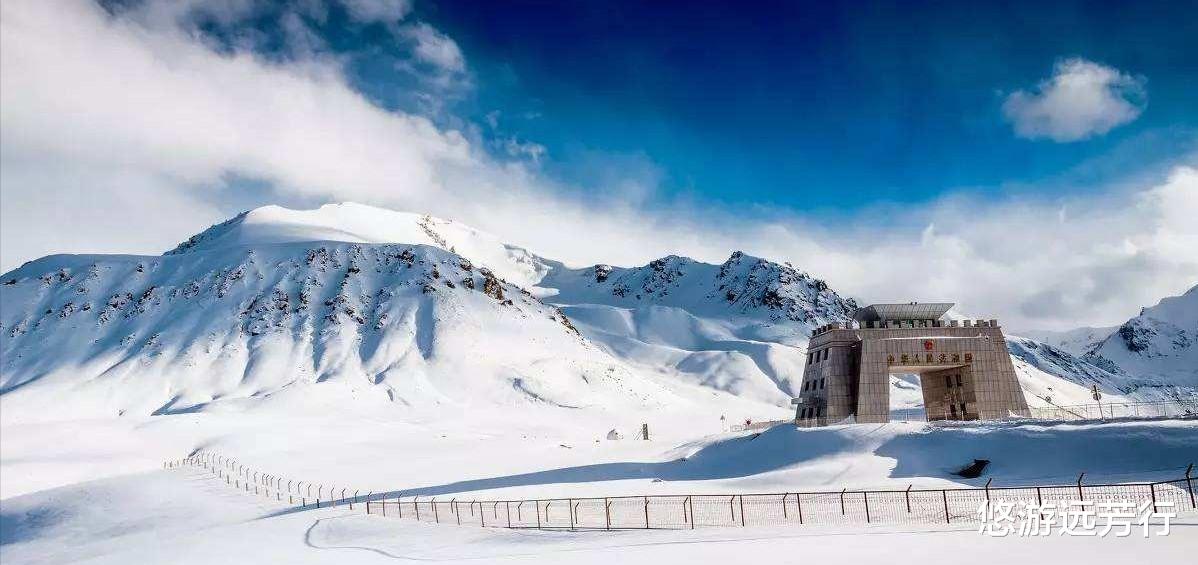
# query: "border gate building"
(964, 368)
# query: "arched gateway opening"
(963, 367)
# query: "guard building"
(963, 367)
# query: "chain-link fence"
(1113, 410)
(680, 511)
(1179, 408)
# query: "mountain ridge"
(269, 289)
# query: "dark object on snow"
(973, 470)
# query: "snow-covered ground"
(188, 516)
(553, 452)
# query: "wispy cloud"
(1081, 99)
(434, 47)
(377, 11)
(116, 122)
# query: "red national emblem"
(928, 345)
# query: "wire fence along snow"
(1140, 410)
(1113, 410)
(844, 507)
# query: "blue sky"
(1039, 160)
(821, 107)
(818, 105)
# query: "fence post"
(606, 511)
(453, 507)
(1190, 485)
(691, 506)
(842, 501)
(646, 512)
(1152, 489)
(742, 510)
(570, 507)
(383, 504)
(507, 505)
(944, 495)
(1080, 497)
(784, 514)
(399, 503)
(416, 507)
(537, 505)
(799, 504)
(865, 494)
(368, 501)
(482, 516)
(436, 515)
(988, 490)
(908, 496)
(732, 509)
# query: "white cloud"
(1080, 100)
(120, 135)
(523, 149)
(435, 48)
(381, 11)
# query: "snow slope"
(90, 336)
(1048, 373)
(741, 326)
(1159, 347)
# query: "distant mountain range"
(424, 312)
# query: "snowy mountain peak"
(1160, 343)
(757, 282)
(743, 284)
(358, 223)
(740, 326)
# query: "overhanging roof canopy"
(908, 311)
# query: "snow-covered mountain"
(1051, 375)
(1076, 342)
(741, 326)
(1159, 347)
(1152, 356)
(420, 312)
(357, 223)
(223, 325)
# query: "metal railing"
(680, 511)
(762, 425)
(1113, 410)
(1143, 410)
